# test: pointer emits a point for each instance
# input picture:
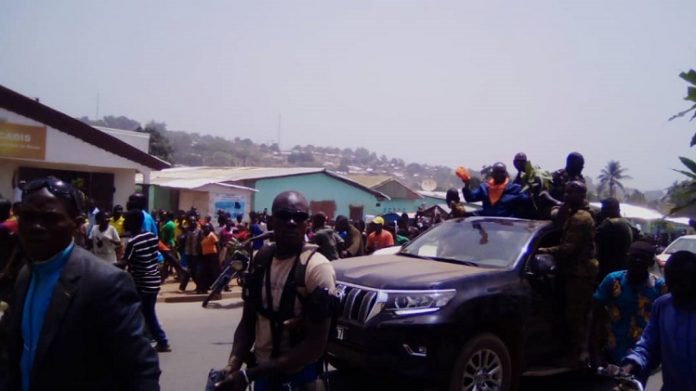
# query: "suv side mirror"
(541, 266)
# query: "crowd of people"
(57, 263)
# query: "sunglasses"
(54, 186)
(287, 215)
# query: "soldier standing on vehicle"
(572, 172)
(288, 302)
(520, 163)
(577, 266)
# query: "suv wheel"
(483, 364)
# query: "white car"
(686, 243)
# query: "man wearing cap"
(379, 238)
(498, 195)
(627, 296)
(74, 322)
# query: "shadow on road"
(217, 306)
(344, 381)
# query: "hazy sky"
(438, 82)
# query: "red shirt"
(380, 240)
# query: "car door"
(543, 339)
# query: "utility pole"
(96, 118)
(280, 127)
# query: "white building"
(37, 141)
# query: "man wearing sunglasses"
(74, 321)
(288, 301)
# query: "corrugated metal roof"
(376, 181)
(185, 177)
(229, 174)
(369, 180)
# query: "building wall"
(124, 186)
(65, 152)
(432, 201)
(396, 190)
(315, 187)
(164, 198)
(198, 199)
(124, 179)
(224, 195)
(400, 205)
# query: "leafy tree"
(159, 145)
(414, 169)
(636, 198)
(220, 159)
(301, 158)
(610, 177)
(111, 121)
(687, 192)
(680, 197)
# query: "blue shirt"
(628, 308)
(44, 277)
(670, 339)
(256, 231)
(149, 224)
(511, 204)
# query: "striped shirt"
(141, 257)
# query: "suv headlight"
(418, 302)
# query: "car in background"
(468, 304)
(682, 243)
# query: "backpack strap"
(301, 268)
(261, 281)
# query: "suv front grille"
(360, 304)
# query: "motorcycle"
(236, 263)
(624, 381)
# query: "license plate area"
(340, 333)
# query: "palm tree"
(611, 177)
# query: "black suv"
(467, 304)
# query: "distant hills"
(195, 149)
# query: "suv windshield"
(490, 243)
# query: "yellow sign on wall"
(22, 141)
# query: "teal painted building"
(326, 191)
(402, 199)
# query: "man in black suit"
(74, 321)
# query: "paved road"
(201, 339)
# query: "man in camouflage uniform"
(575, 162)
(576, 266)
